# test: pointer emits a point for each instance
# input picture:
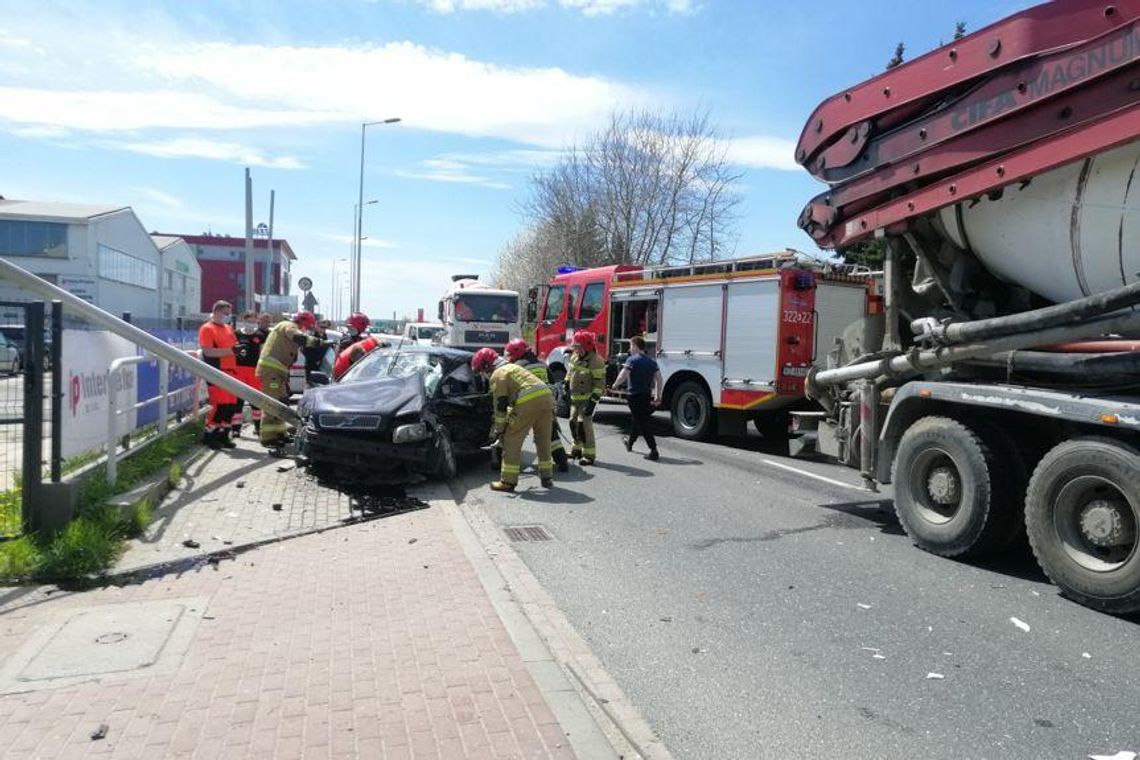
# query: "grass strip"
(96, 538)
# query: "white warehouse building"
(102, 254)
(181, 283)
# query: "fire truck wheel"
(945, 496)
(692, 411)
(773, 425)
(1082, 511)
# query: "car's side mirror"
(318, 378)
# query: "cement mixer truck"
(1001, 396)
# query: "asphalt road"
(753, 612)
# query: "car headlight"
(417, 431)
(349, 421)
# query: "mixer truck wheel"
(949, 495)
(1082, 513)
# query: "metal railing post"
(163, 389)
(57, 390)
(32, 474)
(112, 441)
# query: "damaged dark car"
(399, 414)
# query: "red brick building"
(222, 259)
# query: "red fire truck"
(734, 339)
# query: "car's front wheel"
(445, 464)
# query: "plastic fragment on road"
(1122, 755)
(191, 543)
(862, 606)
(870, 649)
(1020, 624)
(277, 507)
(934, 676)
(877, 656)
(1086, 655)
(100, 733)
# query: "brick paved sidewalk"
(227, 498)
(375, 640)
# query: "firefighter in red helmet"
(356, 329)
(520, 353)
(522, 404)
(587, 381)
(277, 354)
(354, 352)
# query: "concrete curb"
(155, 488)
(562, 660)
(573, 709)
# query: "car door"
(462, 404)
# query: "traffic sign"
(305, 284)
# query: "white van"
(424, 333)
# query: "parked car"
(399, 414)
(14, 335)
(10, 358)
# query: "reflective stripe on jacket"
(512, 385)
(587, 377)
(280, 349)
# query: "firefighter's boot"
(561, 461)
(547, 482)
(499, 485)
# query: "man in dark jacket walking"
(644, 378)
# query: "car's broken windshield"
(380, 364)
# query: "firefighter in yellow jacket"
(522, 404)
(587, 381)
(277, 354)
(518, 352)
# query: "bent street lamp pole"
(354, 301)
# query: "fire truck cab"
(734, 339)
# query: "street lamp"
(334, 283)
(355, 300)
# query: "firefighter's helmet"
(516, 349)
(484, 360)
(584, 339)
(359, 321)
(305, 320)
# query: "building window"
(169, 280)
(122, 267)
(182, 278)
(167, 310)
(19, 238)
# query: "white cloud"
(189, 147)
(762, 152)
(448, 170)
(499, 6)
(160, 197)
(369, 242)
(586, 7)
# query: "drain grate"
(527, 533)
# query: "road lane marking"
(806, 473)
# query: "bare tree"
(646, 189)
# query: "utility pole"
(268, 274)
(249, 289)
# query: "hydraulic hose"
(920, 360)
(1029, 321)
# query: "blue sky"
(160, 106)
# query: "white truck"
(475, 315)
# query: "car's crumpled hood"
(387, 396)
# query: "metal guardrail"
(162, 399)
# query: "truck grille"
(497, 338)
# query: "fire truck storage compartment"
(836, 303)
(690, 324)
(750, 329)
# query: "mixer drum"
(1069, 233)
